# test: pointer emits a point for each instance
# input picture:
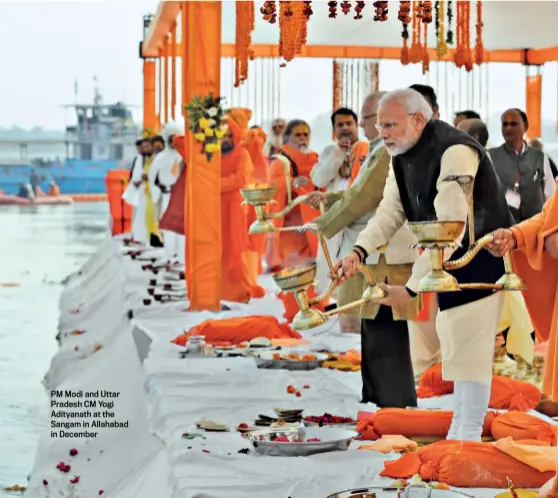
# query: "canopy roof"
(508, 25)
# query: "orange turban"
(238, 123)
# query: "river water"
(39, 248)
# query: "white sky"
(47, 45)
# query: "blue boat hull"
(72, 176)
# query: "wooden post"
(202, 35)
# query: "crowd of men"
(369, 189)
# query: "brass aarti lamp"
(436, 236)
(298, 279)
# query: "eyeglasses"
(390, 125)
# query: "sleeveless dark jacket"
(417, 172)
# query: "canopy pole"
(173, 72)
(203, 186)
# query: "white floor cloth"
(164, 397)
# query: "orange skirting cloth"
(521, 426)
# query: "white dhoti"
(425, 345)
(467, 341)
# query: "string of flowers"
(345, 7)
(479, 47)
(332, 7)
(269, 12)
(468, 55)
(459, 49)
(437, 18)
(405, 18)
(415, 54)
(307, 11)
(301, 11)
(358, 9)
(289, 29)
(337, 84)
(441, 45)
(245, 24)
(381, 11)
(206, 120)
(426, 12)
(425, 54)
(449, 38)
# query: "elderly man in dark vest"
(423, 153)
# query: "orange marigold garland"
(405, 18)
(301, 26)
(380, 11)
(415, 54)
(459, 34)
(468, 55)
(289, 29)
(426, 12)
(245, 14)
(426, 20)
(269, 12)
(358, 9)
(479, 47)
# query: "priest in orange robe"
(535, 245)
(254, 142)
(291, 248)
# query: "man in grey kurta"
(524, 171)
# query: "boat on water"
(103, 138)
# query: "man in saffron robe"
(535, 245)
(291, 248)
(254, 142)
(236, 172)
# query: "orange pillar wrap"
(120, 212)
(173, 72)
(183, 52)
(149, 77)
(160, 90)
(203, 186)
(166, 80)
(533, 88)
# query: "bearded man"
(424, 152)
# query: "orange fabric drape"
(520, 426)
(120, 212)
(533, 98)
(203, 185)
(451, 462)
(160, 89)
(166, 52)
(410, 423)
(149, 79)
(540, 272)
(358, 154)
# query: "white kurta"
(166, 166)
(465, 356)
(326, 174)
(136, 197)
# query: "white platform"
(162, 396)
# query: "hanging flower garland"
(479, 47)
(206, 120)
(332, 7)
(380, 11)
(269, 12)
(459, 32)
(467, 53)
(345, 7)
(449, 38)
(405, 18)
(441, 43)
(426, 20)
(302, 26)
(358, 9)
(306, 13)
(245, 24)
(415, 54)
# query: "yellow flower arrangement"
(206, 119)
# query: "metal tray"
(331, 440)
(412, 491)
(264, 359)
